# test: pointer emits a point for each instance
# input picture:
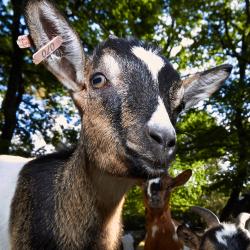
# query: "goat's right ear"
(182, 178)
(202, 85)
(44, 23)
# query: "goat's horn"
(210, 218)
(243, 221)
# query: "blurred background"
(38, 116)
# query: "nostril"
(156, 137)
(171, 143)
(162, 137)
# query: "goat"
(218, 236)
(129, 97)
(161, 229)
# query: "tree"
(15, 88)
(219, 31)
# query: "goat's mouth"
(155, 203)
(145, 168)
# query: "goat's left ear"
(44, 23)
(182, 178)
(203, 84)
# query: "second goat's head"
(157, 191)
(128, 94)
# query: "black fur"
(142, 95)
(237, 241)
(40, 176)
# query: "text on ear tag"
(47, 49)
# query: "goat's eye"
(98, 80)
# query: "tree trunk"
(15, 88)
(228, 209)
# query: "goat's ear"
(182, 178)
(203, 84)
(189, 238)
(44, 23)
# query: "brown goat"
(160, 227)
(129, 97)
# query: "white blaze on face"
(156, 180)
(160, 118)
(153, 61)
(111, 66)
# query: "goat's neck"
(87, 192)
(161, 216)
(159, 213)
(107, 190)
(110, 190)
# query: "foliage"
(192, 193)
(213, 140)
(219, 30)
(134, 210)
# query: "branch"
(247, 12)
(230, 39)
(228, 46)
(166, 47)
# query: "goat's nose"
(159, 127)
(162, 136)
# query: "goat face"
(129, 95)
(157, 191)
(128, 118)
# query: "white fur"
(178, 97)
(156, 180)
(10, 167)
(228, 231)
(175, 237)
(154, 230)
(128, 242)
(153, 61)
(111, 66)
(160, 118)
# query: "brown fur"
(98, 207)
(21, 209)
(160, 227)
(208, 245)
(85, 188)
(190, 239)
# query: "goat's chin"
(138, 168)
(143, 168)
